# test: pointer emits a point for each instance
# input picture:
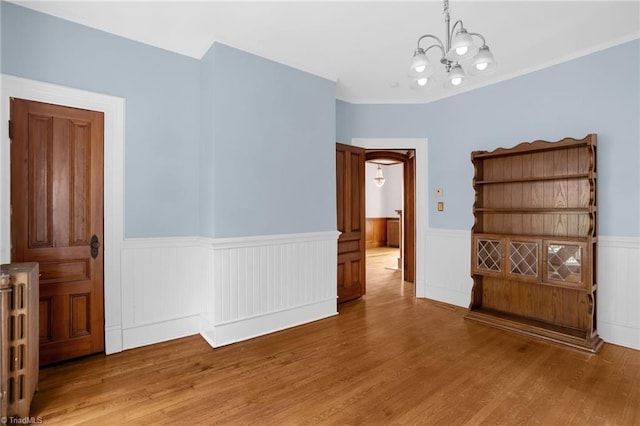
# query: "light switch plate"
(440, 206)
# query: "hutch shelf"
(533, 254)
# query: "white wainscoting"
(447, 270)
(161, 282)
(227, 290)
(230, 290)
(618, 298)
(261, 285)
(447, 266)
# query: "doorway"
(350, 185)
(114, 138)
(390, 226)
(420, 203)
(350, 196)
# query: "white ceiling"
(365, 46)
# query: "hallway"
(383, 275)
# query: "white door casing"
(419, 145)
(113, 108)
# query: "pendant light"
(379, 179)
(459, 45)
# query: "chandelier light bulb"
(420, 66)
(422, 81)
(456, 76)
(462, 50)
(461, 46)
(483, 62)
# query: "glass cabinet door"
(488, 256)
(524, 259)
(564, 262)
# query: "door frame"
(419, 145)
(113, 108)
(408, 191)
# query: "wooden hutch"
(533, 254)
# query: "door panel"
(350, 162)
(57, 206)
(409, 218)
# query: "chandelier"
(459, 46)
(379, 179)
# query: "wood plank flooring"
(387, 359)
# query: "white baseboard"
(113, 338)
(619, 334)
(160, 332)
(243, 329)
(452, 297)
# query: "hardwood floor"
(388, 358)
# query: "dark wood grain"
(409, 218)
(376, 232)
(57, 202)
(540, 193)
(350, 194)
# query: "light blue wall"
(232, 145)
(162, 101)
(189, 122)
(598, 93)
(273, 160)
(206, 163)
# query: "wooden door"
(351, 221)
(409, 217)
(57, 221)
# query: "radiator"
(19, 337)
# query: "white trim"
(619, 334)
(498, 79)
(160, 331)
(447, 295)
(267, 240)
(247, 328)
(620, 242)
(113, 108)
(449, 233)
(422, 190)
